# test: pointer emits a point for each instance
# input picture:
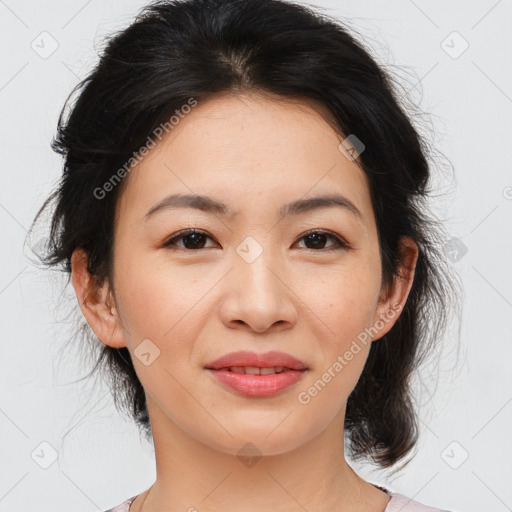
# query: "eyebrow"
(208, 204)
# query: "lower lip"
(257, 385)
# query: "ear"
(394, 297)
(96, 302)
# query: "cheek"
(345, 317)
(157, 300)
(345, 300)
(162, 315)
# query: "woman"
(243, 217)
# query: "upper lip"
(265, 360)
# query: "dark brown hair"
(177, 50)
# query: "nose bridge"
(256, 293)
(256, 266)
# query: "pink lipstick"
(257, 375)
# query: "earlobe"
(96, 302)
(393, 300)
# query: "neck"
(192, 476)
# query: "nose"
(258, 296)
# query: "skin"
(254, 153)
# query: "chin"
(265, 439)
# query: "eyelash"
(339, 242)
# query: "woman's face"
(253, 278)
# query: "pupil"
(196, 237)
(316, 238)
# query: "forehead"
(242, 148)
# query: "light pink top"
(397, 503)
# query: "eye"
(318, 238)
(194, 239)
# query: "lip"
(257, 385)
(265, 360)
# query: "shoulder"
(123, 507)
(399, 502)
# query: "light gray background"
(101, 460)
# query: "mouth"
(257, 375)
